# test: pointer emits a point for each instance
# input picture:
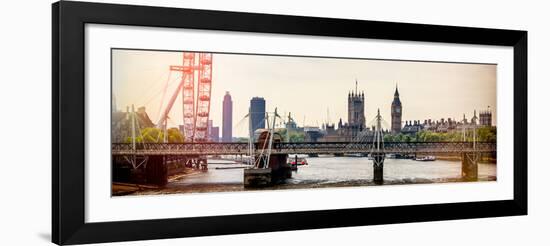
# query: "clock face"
(397, 110)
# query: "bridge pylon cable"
(378, 141)
(261, 156)
(271, 131)
(164, 94)
(362, 137)
(134, 122)
(266, 149)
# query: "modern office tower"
(227, 119)
(257, 113)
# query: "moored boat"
(297, 161)
(425, 158)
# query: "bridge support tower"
(269, 168)
(156, 171)
(378, 167)
(377, 153)
(469, 166)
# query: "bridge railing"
(388, 147)
(300, 148)
(180, 148)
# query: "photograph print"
(200, 122)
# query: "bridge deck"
(302, 148)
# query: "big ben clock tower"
(396, 112)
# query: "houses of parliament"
(356, 128)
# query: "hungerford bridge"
(269, 154)
(294, 148)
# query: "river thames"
(324, 171)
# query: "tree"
(297, 137)
(283, 132)
(487, 134)
(156, 135)
(175, 135)
(152, 135)
(483, 134)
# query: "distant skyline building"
(356, 125)
(227, 119)
(257, 113)
(396, 113)
(356, 111)
(486, 117)
(213, 132)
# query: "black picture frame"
(68, 107)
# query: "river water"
(327, 171)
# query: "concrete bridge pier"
(277, 171)
(469, 166)
(156, 171)
(257, 177)
(378, 167)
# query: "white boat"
(425, 158)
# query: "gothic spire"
(396, 94)
(396, 100)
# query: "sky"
(313, 89)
